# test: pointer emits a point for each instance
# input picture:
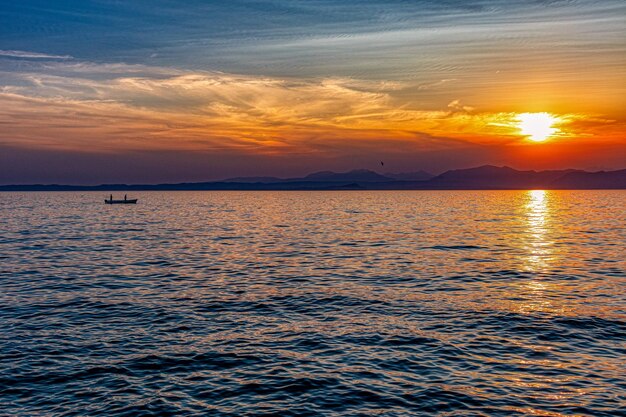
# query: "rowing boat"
(133, 201)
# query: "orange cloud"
(159, 109)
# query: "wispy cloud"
(32, 55)
(138, 107)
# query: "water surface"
(313, 303)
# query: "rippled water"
(314, 303)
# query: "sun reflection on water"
(539, 252)
(538, 222)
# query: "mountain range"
(487, 177)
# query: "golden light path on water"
(538, 218)
(540, 254)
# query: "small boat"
(124, 201)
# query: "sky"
(146, 91)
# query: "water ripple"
(503, 303)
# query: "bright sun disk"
(537, 126)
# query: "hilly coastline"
(487, 177)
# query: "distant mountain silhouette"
(253, 179)
(493, 177)
(487, 177)
(410, 176)
(357, 175)
(591, 180)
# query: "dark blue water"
(317, 303)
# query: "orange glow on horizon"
(306, 118)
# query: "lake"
(339, 303)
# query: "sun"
(537, 126)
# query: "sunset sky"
(154, 91)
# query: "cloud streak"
(32, 55)
(156, 109)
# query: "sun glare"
(537, 126)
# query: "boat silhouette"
(124, 201)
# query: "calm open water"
(446, 303)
